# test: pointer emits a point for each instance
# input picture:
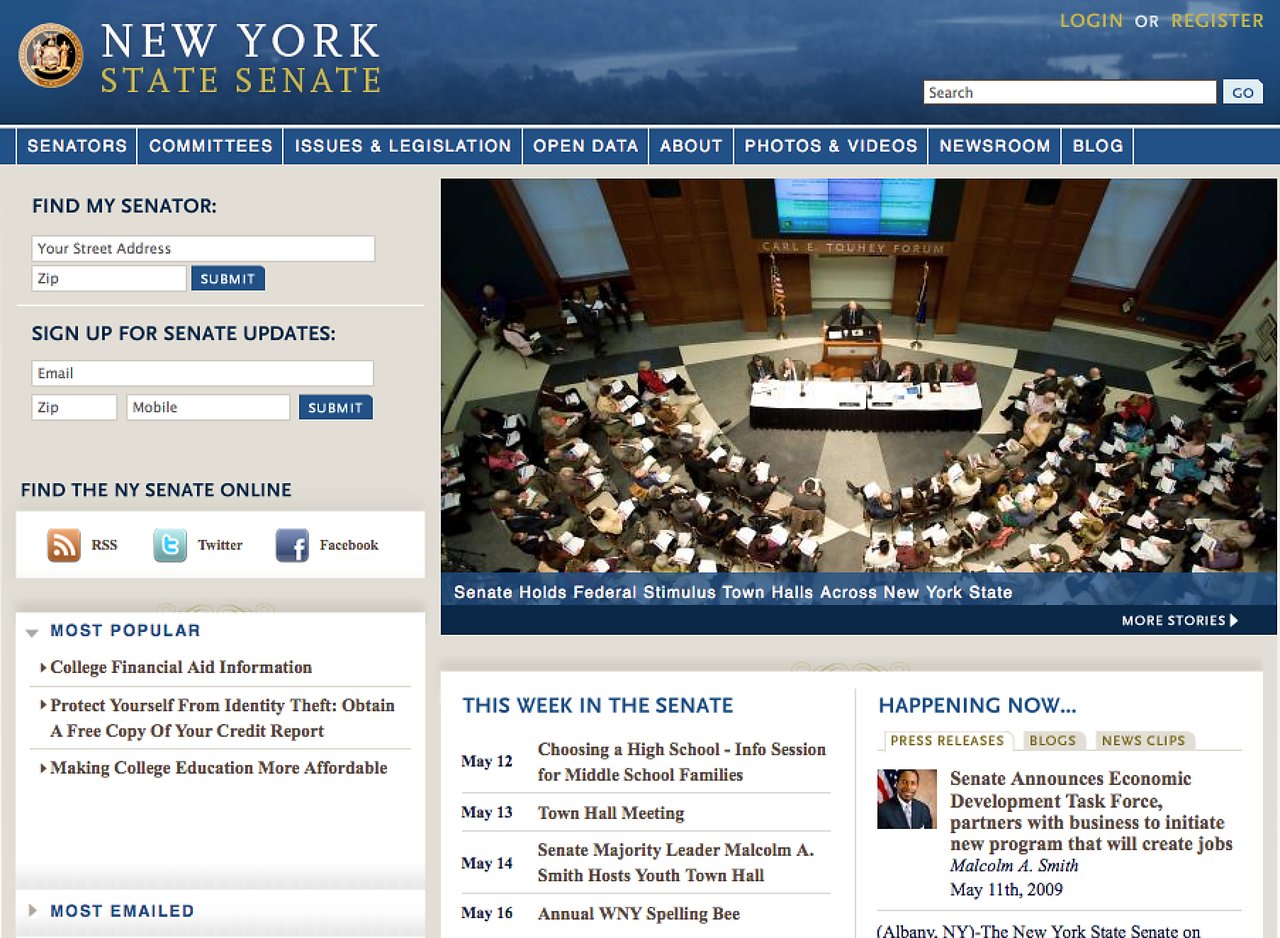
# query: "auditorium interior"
(1114, 408)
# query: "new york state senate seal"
(51, 55)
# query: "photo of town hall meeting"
(693, 376)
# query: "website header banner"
(675, 62)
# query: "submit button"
(335, 406)
(238, 277)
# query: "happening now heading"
(640, 146)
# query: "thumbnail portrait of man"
(904, 797)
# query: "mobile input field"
(57, 279)
(211, 374)
(220, 249)
(207, 407)
(1070, 91)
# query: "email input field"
(212, 374)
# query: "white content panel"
(668, 801)
(218, 544)
(288, 737)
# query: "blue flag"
(922, 304)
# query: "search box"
(1085, 91)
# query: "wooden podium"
(851, 352)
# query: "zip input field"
(248, 249)
(202, 374)
(73, 407)
(1070, 91)
(108, 279)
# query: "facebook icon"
(292, 545)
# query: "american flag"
(886, 784)
(779, 293)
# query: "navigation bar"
(639, 146)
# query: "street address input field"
(1070, 91)
(211, 374)
(229, 249)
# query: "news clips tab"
(245, 544)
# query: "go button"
(335, 406)
(1241, 91)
